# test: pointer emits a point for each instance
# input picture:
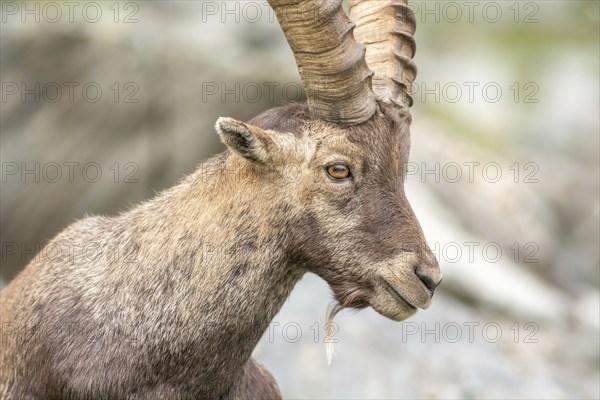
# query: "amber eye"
(338, 171)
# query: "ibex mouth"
(388, 287)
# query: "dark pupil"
(339, 170)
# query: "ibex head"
(339, 162)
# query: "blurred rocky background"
(105, 103)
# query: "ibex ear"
(249, 141)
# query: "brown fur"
(177, 291)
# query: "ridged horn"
(331, 62)
(386, 28)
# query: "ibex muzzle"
(316, 187)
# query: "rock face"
(98, 115)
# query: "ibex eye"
(338, 171)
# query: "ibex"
(207, 264)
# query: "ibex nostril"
(427, 279)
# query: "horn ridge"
(330, 61)
(386, 28)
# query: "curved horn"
(386, 28)
(331, 63)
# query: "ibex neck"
(220, 267)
